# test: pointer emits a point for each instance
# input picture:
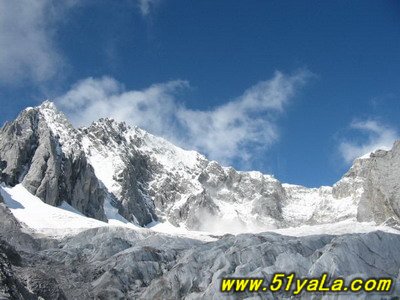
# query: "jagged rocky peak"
(60, 126)
(109, 132)
(41, 151)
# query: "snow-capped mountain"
(113, 212)
(110, 168)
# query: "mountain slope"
(110, 168)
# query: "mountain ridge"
(148, 179)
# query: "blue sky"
(293, 88)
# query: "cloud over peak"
(378, 136)
(226, 132)
(231, 130)
(152, 108)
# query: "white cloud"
(238, 128)
(27, 50)
(379, 136)
(234, 130)
(153, 108)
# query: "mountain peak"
(59, 124)
(111, 124)
(51, 113)
(47, 104)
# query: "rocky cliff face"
(33, 153)
(374, 184)
(147, 179)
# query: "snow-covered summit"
(60, 126)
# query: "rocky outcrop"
(374, 183)
(11, 286)
(381, 198)
(12, 232)
(130, 171)
(18, 143)
(18, 280)
(31, 153)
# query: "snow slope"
(64, 220)
(47, 219)
(58, 222)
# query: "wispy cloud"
(27, 48)
(377, 136)
(153, 108)
(245, 124)
(27, 37)
(230, 131)
(146, 6)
